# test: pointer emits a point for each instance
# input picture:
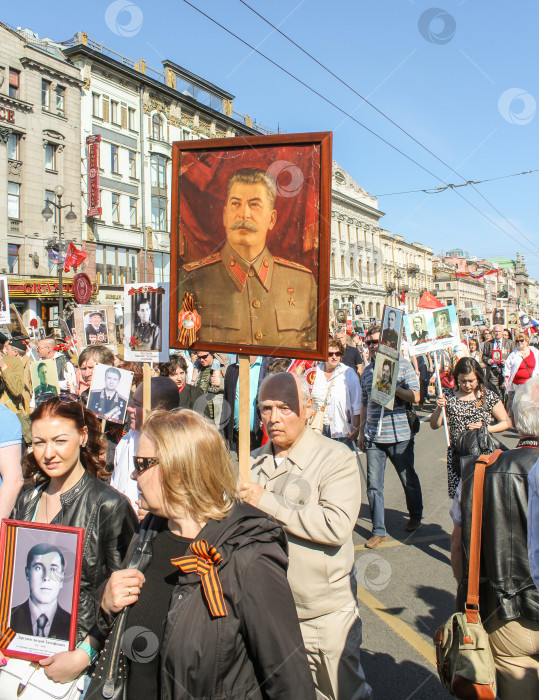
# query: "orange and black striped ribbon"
(6, 633)
(204, 562)
(187, 336)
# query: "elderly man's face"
(248, 215)
(282, 411)
(45, 349)
(498, 332)
(45, 577)
(95, 320)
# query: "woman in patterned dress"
(467, 405)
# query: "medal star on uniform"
(291, 301)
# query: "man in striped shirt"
(395, 441)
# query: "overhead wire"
(373, 133)
(391, 121)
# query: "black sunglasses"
(202, 357)
(143, 463)
(371, 342)
(64, 398)
(334, 354)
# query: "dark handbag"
(474, 443)
(463, 655)
(413, 418)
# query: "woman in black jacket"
(214, 605)
(176, 369)
(64, 487)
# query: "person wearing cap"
(96, 331)
(12, 372)
(165, 395)
(16, 346)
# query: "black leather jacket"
(506, 586)
(109, 522)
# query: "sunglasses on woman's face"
(334, 354)
(143, 463)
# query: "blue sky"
(462, 80)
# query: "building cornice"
(28, 62)
(355, 203)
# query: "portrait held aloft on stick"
(249, 244)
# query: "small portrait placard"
(498, 317)
(384, 380)
(110, 392)
(146, 317)
(40, 571)
(95, 325)
(390, 336)
(44, 375)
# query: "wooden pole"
(439, 386)
(146, 391)
(244, 442)
(379, 429)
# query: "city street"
(406, 587)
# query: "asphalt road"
(406, 587)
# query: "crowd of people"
(175, 545)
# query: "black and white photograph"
(498, 317)
(418, 329)
(44, 375)
(442, 323)
(476, 315)
(384, 382)
(4, 301)
(109, 392)
(358, 311)
(372, 321)
(465, 318)
(502, 292)
(146, 318)
(40, 587)
(341, 316)
(95, 325)
(429, 330)
(391, 332)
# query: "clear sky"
(462, 79)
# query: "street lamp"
(47, 213)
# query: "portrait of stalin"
(244, 293)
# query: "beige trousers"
(515, 647)
(332, 643)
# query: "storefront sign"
(7, 115)
(94, 203)
(42, 287)
(82, 288)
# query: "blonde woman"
(233, 630)
(521, 365)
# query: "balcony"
(413, 269)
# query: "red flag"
(429, 301)
(403, 297)
(73, 257)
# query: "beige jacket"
(316, 493)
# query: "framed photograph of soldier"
(146, 319)
(250, 244)
(40, 571)
(358, 311)
(502, 292)
(44, 375)
(110, 392)
(341, 316)
(465, 318)
(95, 325)
(476, 315)
(386, 370)
(391, 333)
(432, 329)
(372, 321)
(498, 317)
(358, 327)
(4, 301)
(512, 320)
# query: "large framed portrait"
(110, 392)
(40, 571)
(95, 325)
(146, 314)
(44, 375)
(250, 244)
(4, 301)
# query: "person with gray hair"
(509, 600)
(243, 292)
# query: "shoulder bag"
(463, 655)
(24, 679)
(316, 421)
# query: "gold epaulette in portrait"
(291, 263)
(203, 262)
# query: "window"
(114, 168)
(13, 257)
(351, 267)
(342, 267)
(159, 213)
(333, 265)
(96, 105)
(114, 112)
(157, 128)
(13, 200)
(50, 156)
(115, 208)
(131, 118)
(13, 147)
(46, 94)
(159, 171)
(161, 267)
(14, 83)
(116, 265)
(60, 99)
(132, 211)
(51, 197)
(132, 164)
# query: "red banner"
(429, 301)
(94, 203)
(73, 257)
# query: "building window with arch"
(378, 310)
(333, 265)
(351, 267)
(343, 270)
(375, 274)
(359, 270)
(370, 309)
(368, 268)
(157, 128)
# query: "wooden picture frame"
(288, 278)
(27, 551)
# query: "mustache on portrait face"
(244, 223)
